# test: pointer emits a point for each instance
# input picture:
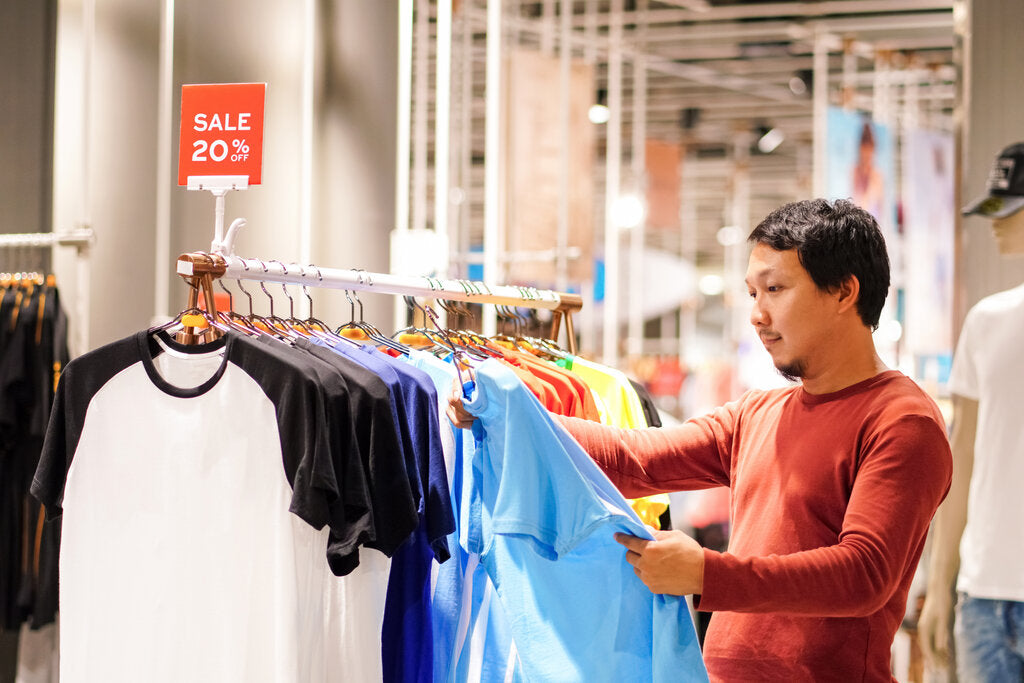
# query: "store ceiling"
(719, 71)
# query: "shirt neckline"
(816, 399)
(145, 340)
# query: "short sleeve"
(78, 384)
(963, 379)
(57, 452)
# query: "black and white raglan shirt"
(197, 486)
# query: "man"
(978, 533)
(833, 482)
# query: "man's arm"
(950, 520)
(642, 462)
(900, 481)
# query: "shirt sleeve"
(963, 378)
(78, 383)
(56, 455)
(904, 474)
(641, 462)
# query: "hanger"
(231, 317)
(291, 321)
(275, 325)
(505, 316)
(420, 337)
(192, 317)
(457, 355)
(256, 322)
(368, 331)
(312, 323)
(474, 344)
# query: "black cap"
(1005, 186)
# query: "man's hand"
(933, 628)
(673, 563)
(456, 411)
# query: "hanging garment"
(542, 524)
(198, 486)
(647, 402)
(33, 351)
(625, 409)
(472, 640)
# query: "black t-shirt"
(650, 409)
(34, 351)
(392, 500)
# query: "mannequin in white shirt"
(989, 611)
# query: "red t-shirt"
(574, 395)
(832, 496)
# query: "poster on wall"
(533, 167)
(861, 165)
(928, 217)
(663, 163)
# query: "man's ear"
(847, 293)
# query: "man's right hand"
(456, 410)
(933, 628)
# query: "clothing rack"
(563, 305)
(81, 239)
(74, 238)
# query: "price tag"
(221, 140)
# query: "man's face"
(790, 314)
(1009, 233)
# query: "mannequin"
(974, 541)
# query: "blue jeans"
(989, 640)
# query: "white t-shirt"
(989, 367)
(194, 515)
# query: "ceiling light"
(711, 285)
(770, 140)
(729, 235)
(628, 211)
(598, 113)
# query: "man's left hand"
(672, 563)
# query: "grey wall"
(104, 168)
(991, 117)
(354, 147)
(27, 46)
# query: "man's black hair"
(833, 240)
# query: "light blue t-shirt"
(471, 639)
(544, 527)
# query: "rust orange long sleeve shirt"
(832, 495)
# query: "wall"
(27, 39)
(27, 46)
(991, 116)
(353, 142)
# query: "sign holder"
(218, 186)
(221, 143)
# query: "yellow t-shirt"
(621, 408)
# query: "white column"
(492, 159)
(613, 161)
(84, 273)
(565, 75)
(820, 113)
(639, 173)
(420, 127)
(164, 125)
(308, 131)
(688, 251)
(404, 143)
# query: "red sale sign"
(221, 132)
